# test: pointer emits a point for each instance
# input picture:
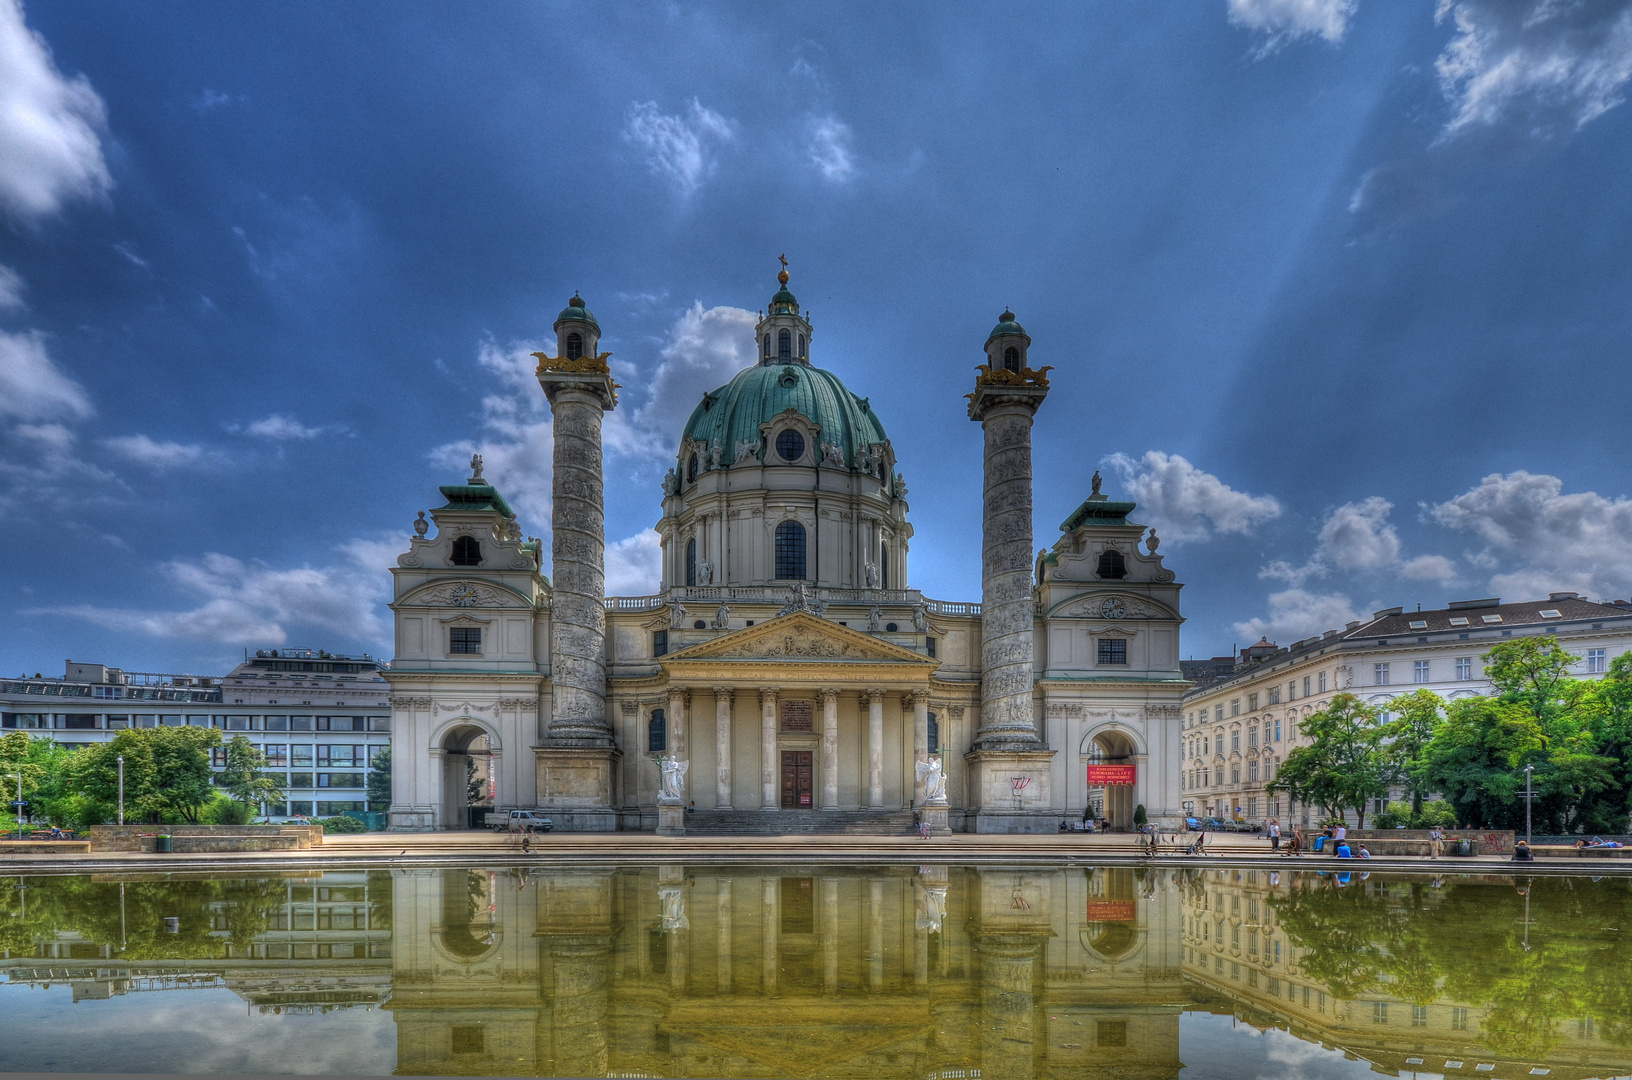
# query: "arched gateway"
(785, 659)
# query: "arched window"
(790, 445)
(884, 566)
(790, 551)
(784, 345)
(575, 346)
(1111, 564)
(1011, 358)
(767, 346)
(657, 733)
(691, 561)
(801, 346)
(467, 551)
(691, 470)
(934, 734)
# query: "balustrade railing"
(775, 594)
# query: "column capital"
(680, 694)
(725, 692)
(829, 693)
(768, 694)
(875, 695)
(919, 696)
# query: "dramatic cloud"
(250, 603)
(634, 565)
(11, 290)
(31, 386)
(679, 149)
(705, 348)
(1295, 614)
(1541, 66)
(1184, 503)
(517, 441)
(279, 428)
(1286, 21)
(154, 454)
(1357, 538)
(50, 126)
(1541, 540)
(830, 149)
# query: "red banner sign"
(1111, 911)
(1107, 775)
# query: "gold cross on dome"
(783, 259)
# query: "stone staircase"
(799, 822)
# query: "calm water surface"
(922, 972)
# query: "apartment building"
(319, 717)
(1238, 728)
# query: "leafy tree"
(1340, 768)
(1402, 740)
(243, 777)
(167, 773)
(39, 762)
(379, 781)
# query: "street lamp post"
(1529, 798)
(17, 776)
(121, 760)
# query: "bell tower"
(782, 333)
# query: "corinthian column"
(722, 747)
(875, 749)
(767, 748)
(920, 740)
(830, 748)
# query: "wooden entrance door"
(797, 777)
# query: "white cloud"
(634, 565)
(1295, 614)
(144, 450)
(830, 149)
(1184, 503)
(705, 348)
(1286, 21)
(1541, 66)
(1357, 538)
(251, 603)
(1541, 539)
(279, 427)
(12, 286)
(50, 144)
(31, 386)
(679, 149)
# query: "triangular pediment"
(800, 638)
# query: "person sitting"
(1295, 845)
(1343, 851)
(1363, 853)
(1522, 852)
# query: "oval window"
(790, 445)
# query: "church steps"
(799, 822)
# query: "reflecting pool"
(924, 972)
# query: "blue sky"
(1336, 289)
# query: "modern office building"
(319, 717)
(1239, 728)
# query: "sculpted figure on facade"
(747, 450)
(677, 617)
(933, 774)
(920, 618)
(875, 620)
(705, 573)
(722, 618)
(833, 455)
(673, 773)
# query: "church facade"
(786, 666)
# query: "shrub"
(225, 811)
(1139, 815)
(1393, 816)
(1438, 812)
(341, 824)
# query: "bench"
(1570, 851)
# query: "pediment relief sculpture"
(1114, 607)
(463, 594)
(800, 637)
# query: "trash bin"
(1463, 847)
(163, 843)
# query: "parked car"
(518, 820)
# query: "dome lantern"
(577, 333)
(1007, 344)
(782, 332)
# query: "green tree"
(40, 763)
(243, 777)
(379, 781)
(1474, 756)
(1401, 741)
(1340, 769)
(167, 773)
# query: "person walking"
(1342, 832)
(1274, 836)
(1436, 839)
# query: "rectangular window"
(300, 723)
(379, 723)
(1235, 739)
(1459, 1018)
(1380, 674)
(1292, 691)
(1419, 1016)
(1464, 668)
(1252, 702)
(1274, 695)
(276, 723)
(1235, 707)
(1419, 671)
(1595, 661)
(1252, 778)
(1322, 678)
(301, 754)
(1379, 1012)
(1218, 712)
(1277, 731)
(929, 647)
(300, 779)
(1218, 774)
(465, 639)
(277, 755)
(1274, 808)
(660, 643)
(339, 779)
(1235, 774)
(1252, 735)
(218, 756)
(1306, 686)
(1113, 651)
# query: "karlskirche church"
(786, 677)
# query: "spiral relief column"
(577, 759)
(1007, 748)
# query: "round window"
(699, 625)
(889, 628)
(790, 445)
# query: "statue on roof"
(1097, 495)
(476, 469)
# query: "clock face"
(1112, 608)
(465, 595)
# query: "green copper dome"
(1006, 325)
(575, 311)
(733, 413)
